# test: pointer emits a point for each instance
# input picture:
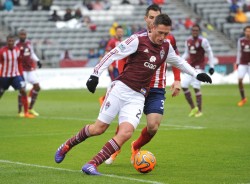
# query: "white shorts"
(30, 77)
(242, 70)
(188, 80)
(122, 100)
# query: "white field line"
(163, 127)
(92, 120)
(76, 171)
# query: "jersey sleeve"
(238, 56)
(124, 49)
(33, 55)
(180, 63)
(206, 46)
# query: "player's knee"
(97, 129)
(153, 127)
(37, 87)
(125, 134)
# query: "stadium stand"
(216, 12)
(50, 40)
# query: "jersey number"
(138, 114)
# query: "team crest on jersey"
(162, 53)
(152, 59)
(107, 105)
(121, 47)
(143, 91)
(197, 44)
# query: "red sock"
(25, 103)
(108, 149)
(144, 138)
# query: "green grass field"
(212, 149)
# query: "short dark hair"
(153, 7)
(197, 25)
(246, 27)
(118, 27)
(10, 36)
(163, 19)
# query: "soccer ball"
(144, 161)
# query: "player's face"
(150, 18)
(195, 32)
(22, 36)
(159, 33)
(10, 43)
(119, 33)
(247, 33)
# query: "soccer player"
(127, 93)
(154, 103)
(114, 68)
(11, 72)
(243, 62)
(29, 62)
(195, 48)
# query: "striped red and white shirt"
(10, 63)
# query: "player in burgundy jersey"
(11, 72)
(113, 68)
(126, 95)
(29, 62)
(243, 62)
(195, 48)
(154, 103)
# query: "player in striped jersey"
(11, 72)
(243, 62)
(154, 103)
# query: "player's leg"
(198, 95)
(106, 115)
(114, 155)
(185, 82)
(242, 70)
(87, 131)
(154, 109)
(1, 92)
(32, 78)
(19, 84)
(4, 85)
(129, 118)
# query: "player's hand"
(39, 64)
(92, 83)
(175, 88)
(211, 71)
(204, 78)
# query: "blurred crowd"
(238, 10)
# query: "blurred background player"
(29, 62)
(195, 48)
(243, 62)
(154, 103)
(113, 69)
(11, 72)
